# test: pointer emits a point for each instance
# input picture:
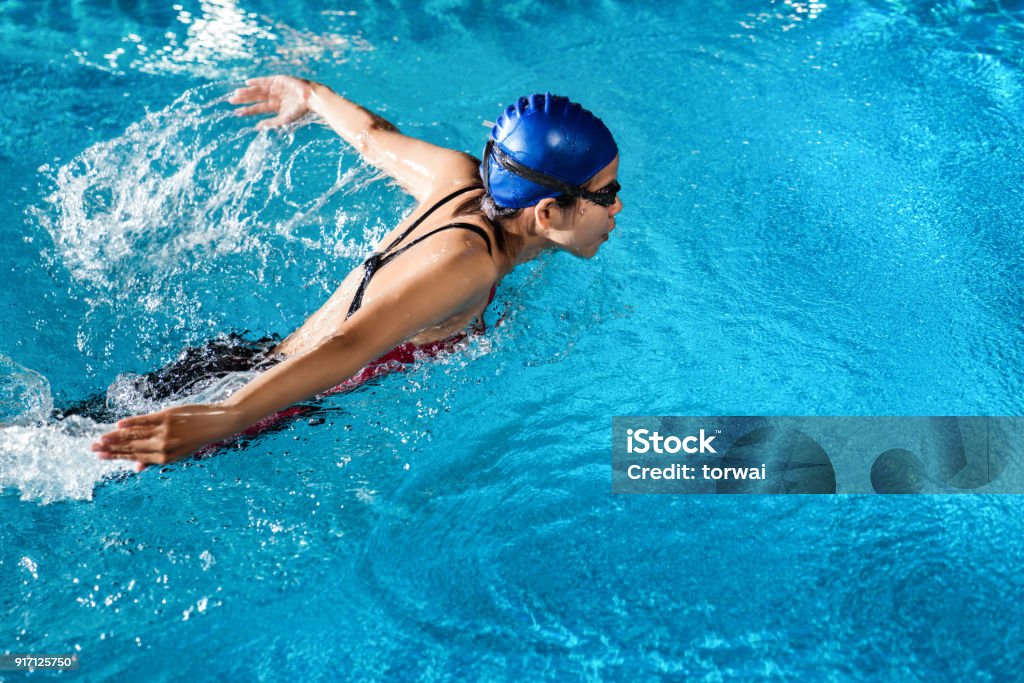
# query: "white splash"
(189, 183)
(44, 459)
(51, 462)
(142, 194)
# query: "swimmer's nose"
(616, 207)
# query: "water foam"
(48, 460)
(52, 462)
(43, 459)
(26, 393)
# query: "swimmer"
(548, 180)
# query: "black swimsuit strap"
(377, 260)
(388, 258)
(431, 210)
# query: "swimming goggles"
(606, 196)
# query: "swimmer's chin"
(595, 251)
(590, 252)
(588, 255)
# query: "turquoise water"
(822, 204)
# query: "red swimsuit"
(404, 354)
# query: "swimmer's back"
(453, 238)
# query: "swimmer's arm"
(420, 167)
(379, 326)
(424, 300)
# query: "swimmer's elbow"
(379, 123)
(347, 345)
(367, 141)
(363, 339)
(338, 342)
(340, 356)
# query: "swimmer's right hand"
(169, 435)
(285, 96)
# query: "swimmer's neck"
(532, 244)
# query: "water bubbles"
(207, 559)
(366, 495)
(198, 608)
(27, 397)
(30, 566)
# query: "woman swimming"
(547, 181)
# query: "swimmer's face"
(581, 229)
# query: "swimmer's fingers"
(248, 95)
(261, 82)
(130, 450)
(282, 119)
(151, 420)
(155, 451)
(269, 88)
(134, 439)
(286, 96)
(127, 435)
(261, 108)
(169, 435)
(130, 429)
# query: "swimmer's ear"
(547, 215)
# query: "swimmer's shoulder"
(465, 247)
(459, 170)
(459, 245)
(467, 235)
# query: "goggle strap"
(510, 164)
(543, 179)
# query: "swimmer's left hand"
(286, 97)
(169, 435)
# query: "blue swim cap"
(550, 135)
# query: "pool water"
(822, 208)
